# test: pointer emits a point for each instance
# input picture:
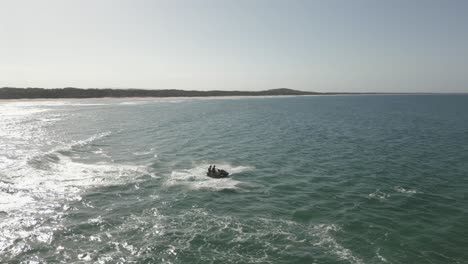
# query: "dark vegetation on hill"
(31, 93)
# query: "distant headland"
(70, 92)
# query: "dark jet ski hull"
(218, 175)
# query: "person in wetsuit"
(209, 169)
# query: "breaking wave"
(36, 191)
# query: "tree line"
(32, 93)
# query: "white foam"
(25, 123)
(380, 256)
(88, 140)
(134, 103)
(85, 256)
(146, 152)
(81, 174)
(379, 195)
(14, 201)
(64, 179)
(35, 198)
(51, 118)
(28, 193)
(45, 192)
(73, 144)
(327, 241)
(287, 234)
(403, 190)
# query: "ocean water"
(316, 179)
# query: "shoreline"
(146, 98)
(12, 93)
(170, 98)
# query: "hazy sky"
(357, 45)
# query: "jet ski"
(218, 174)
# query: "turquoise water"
(318, 179)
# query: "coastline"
(154, 98)
(27, 94)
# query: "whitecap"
(403, 190)
(377, 253)
(326, 240)
(379, 195)
(84, 257)
(145, 153)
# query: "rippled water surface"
(325, 179)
